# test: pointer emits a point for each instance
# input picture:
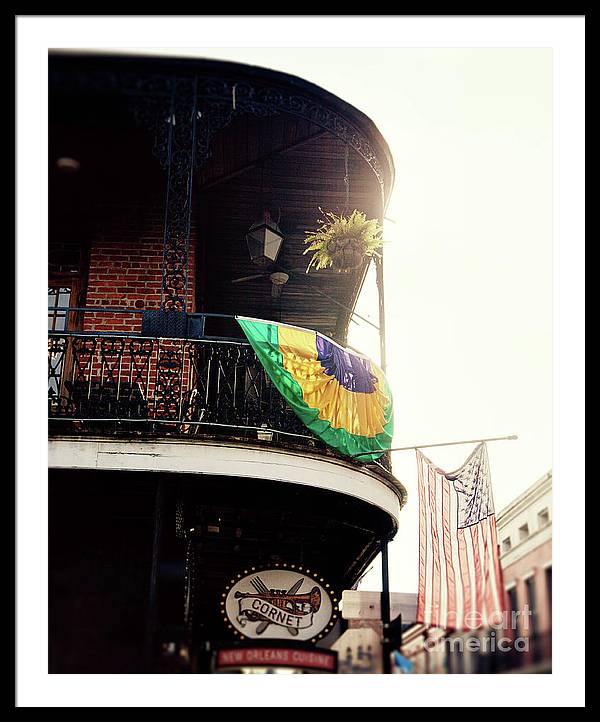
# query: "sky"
(468, 253)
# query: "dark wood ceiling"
(293, 168)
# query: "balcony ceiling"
(281, 161)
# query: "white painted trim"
(508, 587)
(527, 576)
(525, 500)
(226, 459)
(521, 548)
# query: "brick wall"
(125, 267)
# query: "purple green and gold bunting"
(341, 396)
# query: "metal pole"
(381, 292)
(385, 608)
(153, 591)
(447, 443)
(380, 288)
(303, 277)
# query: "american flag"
(460, 580)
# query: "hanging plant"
(343, 242)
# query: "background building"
(525, 537)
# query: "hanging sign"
(281, 602)
(273, 657)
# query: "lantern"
(264, 239)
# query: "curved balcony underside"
(231, 458)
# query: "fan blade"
(294, 270)
(249, 278)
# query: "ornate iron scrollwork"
(219, 100)
(224, 99)
(195, 386)
(168, 392)
(179, 162)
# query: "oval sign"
(280, 603)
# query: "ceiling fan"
(278, 280)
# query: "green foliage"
(343, 241)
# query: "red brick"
(126, 269)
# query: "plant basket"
(347, 254)
(343, 242)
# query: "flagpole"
(512, 437)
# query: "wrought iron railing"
(174, 386)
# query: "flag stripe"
(458, 588)
(475, 597)
(502, 596)
(467, 583)
(428, 555)
(479, 570)
(439, 512)
(450, 581)
(435, 543)
(422, 543)
(489, 584)
(497, 602)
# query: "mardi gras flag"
(342, 397)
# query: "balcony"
(122, 384)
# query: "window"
(513, 608)
(58, 297)
(549, 587)
(543, 518)
(532, 603)
(506, 545)
(532, 627)
(512, 598)
(523, 532)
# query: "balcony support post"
(381, 304)
(151, 624)
(179, 162)
(385, 609)
(381, 294)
